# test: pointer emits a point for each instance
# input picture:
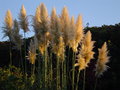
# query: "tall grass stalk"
(10, 53)
(7, 30)
(68, 68)
(58, 74)
(39, 71)
(33, 70)
(84, 79)
(45, 69)
(73, 71)
(65, 75)
(25, 63)
(77, 84)
(21, 59)
(51, 70)
(62, 75)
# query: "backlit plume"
(44, 12)
(65, 21)
(53, 20)
(103, 59)
(75, 33)
(8, 20)
(57, 39)
(87, 48)
(81, 63)
(53, 14)
(37, 19)
(23, 19)
(79, 30)
(72, 35)
(86, 52)
(32, 52)
(42, 29)
(23, 11)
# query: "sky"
(94, 12)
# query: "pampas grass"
(17, 40)
(79, 31)
(42, 35)
(23, 19)
(65, 21)
(54, 50)
(103, 59)
(87, 48)
(86, 54)
(8, 20)
(7, 30)
(32, 52)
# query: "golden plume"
(44, 12)
(57, 39)
(65, 21)
(103, 59)
(53, 14)
(53, 20)
(81, 63)
(37, 18)
(65, 15)
(23, 19)
(23, 11)
(75, 33)
(79, 30)
(87, 47)
(8, 20)
(86, 52)
(72, 35)
(32, 52)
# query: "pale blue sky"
(96, 12)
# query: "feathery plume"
(72, 35)
(53, 14)
(7, 29)
(23, 11)
(8, 20)
(57, 39)
(86, 52)
(44, 13)
(37, 19)
(65, 21)
(23, 19)
(36, 23)
(41, 27)
(103, 59)
(79, 30)
(32, 52)
(53, 19)
(87, 47)
(81, 63)
(65, 15)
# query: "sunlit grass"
(55, 60)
